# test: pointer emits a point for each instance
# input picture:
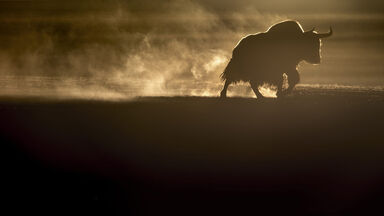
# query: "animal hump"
(286, 28)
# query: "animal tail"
(227, 71)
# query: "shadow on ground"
(309, 154)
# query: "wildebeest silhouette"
(265, 57)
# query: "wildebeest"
(265, 57)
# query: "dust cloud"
(118, 49)
(128, 49)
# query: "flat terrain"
(316, 152)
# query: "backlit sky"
(172, 47)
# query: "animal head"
(311, 44)
(305, 44)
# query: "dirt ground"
(317, 152)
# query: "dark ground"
(315, 153)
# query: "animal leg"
(223, 93)
(293, 79)
(255, 88)
(280, 92)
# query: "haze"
(115, 49)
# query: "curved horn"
(312, 30)
(324, 35)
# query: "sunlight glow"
(214, 63)
(154, 87)
(268, 92)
